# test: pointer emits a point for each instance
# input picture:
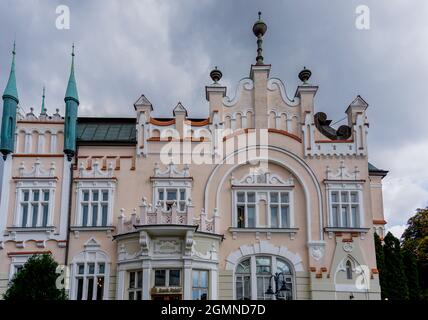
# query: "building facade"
(185, 208)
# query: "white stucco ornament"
(317, 253)
(317, 249)
(348, 247)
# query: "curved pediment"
(244, 84)
(275, 84)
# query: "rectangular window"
(174, 278)
(94, 206)
(177, 195)
(246, 209)
(278, 206)
(135, 288)
(200, 285)
(279, 209)
(34, 208)
(243, 287)
(160, 278)
(263, 274)
(251, 209)
(345, 209)
(90, 281)
(274, 223)
(167, 278)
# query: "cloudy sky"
(166, 49)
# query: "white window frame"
(348, 188)
(86, 276)
(260, 195)
(91, 186)
(199, 287)
(134, 290)
(172, 183)
(165, 202)
(167, 284)
(86, 257)
(31, 186)
(17, 261)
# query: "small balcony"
(149, 215)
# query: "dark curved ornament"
(216, 75)
(344, 132)
(304, 75)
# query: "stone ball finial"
(304, 75)
(259, 27)
(216, 75)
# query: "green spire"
(43, 111)
(71, 92)
(11, 90)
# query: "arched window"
(348, 270)
(262, 278)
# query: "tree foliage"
(415, 241)
(403, 269)
(395, 284)
(380, 262)
(36, 281)
(412, 274)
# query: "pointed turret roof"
(10, 90)
(71, 92)
(143, 102)
(179, 108)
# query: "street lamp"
(280, 291)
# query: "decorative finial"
(71, 92)
(43, 111)
(304, 75)
(11, 90)
(259, 29)
(216, 75)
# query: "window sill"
(257, 231)
(345, 229)
(31, 229)
(77, 229)
(92, 228)
(353, 231)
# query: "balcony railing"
(158, 215)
